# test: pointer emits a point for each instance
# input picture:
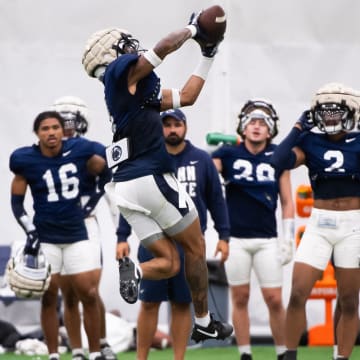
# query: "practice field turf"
(221, 353)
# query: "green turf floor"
(221, 353)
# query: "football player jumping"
(197, 173)
(332, 156)
(144, 185)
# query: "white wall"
(281, 50)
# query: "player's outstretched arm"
(154, 57)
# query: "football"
(213, 22)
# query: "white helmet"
(75, 113)
(104, 46)
(28, 275)
(258, 108)
(335, 108)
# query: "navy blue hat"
(174, 113)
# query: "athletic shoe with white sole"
(129, 280)
(215, 330)
(79, 357)
(107, 352)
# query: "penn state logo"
(116, 153)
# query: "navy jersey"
(137, 118)
(252, 188)
(55, 184)
(333, 167)
(197, 173)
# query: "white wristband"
(192, 29)
(175, 98)
(152, 58)
(203, 67)
(288, 229)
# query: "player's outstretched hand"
(200, 36)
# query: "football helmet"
(104, 46)
(255, 109)
(27, 275)
(335, 108)
(75, 113)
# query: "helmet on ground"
(104, 46)
(335, 108)
(28, 275)
(258, 109)
(75, 114)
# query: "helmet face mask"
(69, 123)
(258, 109)
(126, 45)
(335, 108)
(74, 122)
(333, 118)
(34, 262)
(74, 111)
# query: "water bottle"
(216, 138)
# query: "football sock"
(244, 349)
(203, 321)
(77, 351)
(280, 351)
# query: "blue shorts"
(174, 289)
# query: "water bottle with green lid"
(216, 138)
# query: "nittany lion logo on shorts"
(116, 153)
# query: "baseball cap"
(174, 113)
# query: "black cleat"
(100, 357)
(129, 280)
(215, 330)
(245, 356)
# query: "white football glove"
(25, 281)
(286, 243)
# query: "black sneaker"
(129, 280)
(245, 356)
(100, 357)
(107, 352)
(215, 330)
